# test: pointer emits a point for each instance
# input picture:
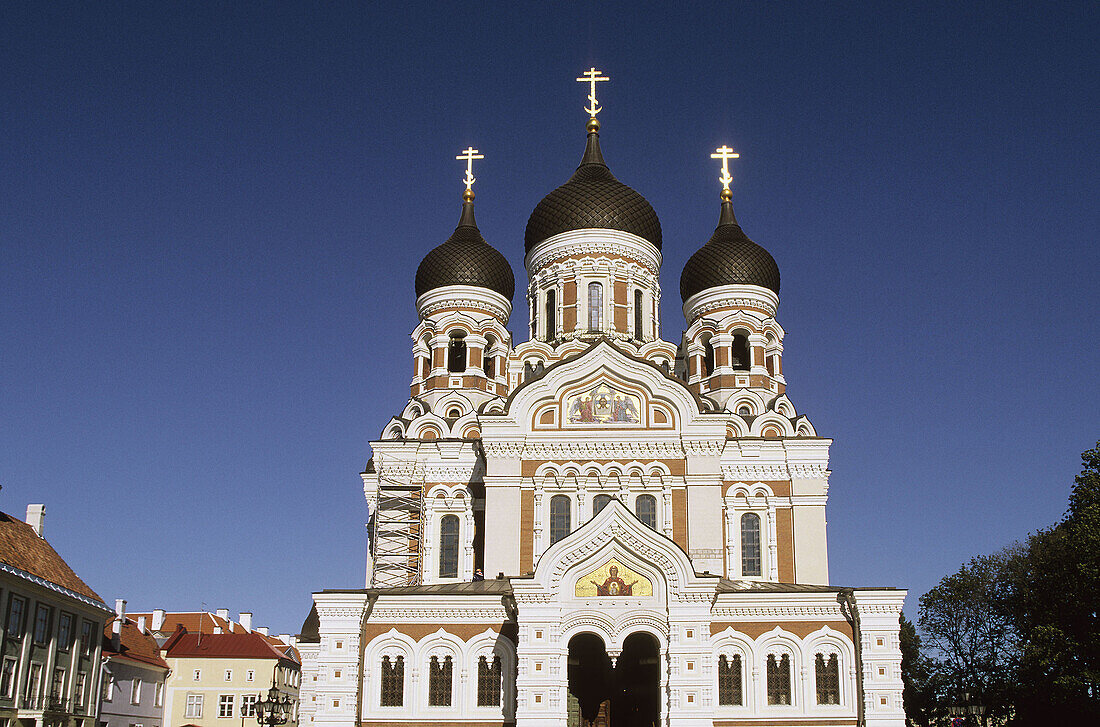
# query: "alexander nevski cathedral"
(596, 526)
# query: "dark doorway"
(637, 699)
(627, 695)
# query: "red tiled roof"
(192, 621)
(21, 548)
(133, 644)
(236, 645)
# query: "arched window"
(750, 544)
(488, 682)
(599, 502)
(645, 507)
(779, 679)
(456, 353)
(637, 315)
(595, 306)
(439, 682)
(551, 315)
(708, 356)
(729, 679)
(827, 672)
(487, 358)
(448, 546)
(393, 682)
(559, 517)
(741, 360)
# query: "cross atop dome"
(725, 154)
(591, 77)
(469, 155)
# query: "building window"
(456, 353)
(439, 682)
(595, 306)
(86, 629)
(108, 687)
(17, 608)
(196, 675)
(740, 360)
(729, 679)
(336, 673)
(42, 625)
(448, 546)
(34, 684)
(158, 694)
(779, 679)
(750, 544)
(559, 517)
(393, 681)
(57, 688)
(599, 502)
(229, 675)
(225, 705)
(645, 507)
(827, 673)
(64, 631)
(250, 675)
(708, 356)
(637, 315)
(80, 693)
(248, 705)
(135, 692)
(193, 709)
(551, 315)
(487, 358)
(488, 682)
(7, 677)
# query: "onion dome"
(592, 199)
(465, 259)
(728, 258)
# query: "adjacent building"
(134, 674)
(216, 678)
(650, 514)
(51, 640)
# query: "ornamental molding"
(777, 471)
(731, 296)
(601, 450)
(749, 613)
(451, 473)
(467, 297)
(593, 243)
(442, 616)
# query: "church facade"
(649, 516)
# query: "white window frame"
(193, 707)
(248, 705)
(196, 675)
(250, 675)
(108, 687)
(158, 694)
(225, 706)
(228, 675)
(135, 691)
(13, 677)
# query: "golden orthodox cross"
(591, 76)
(725, 154)
(469, 155)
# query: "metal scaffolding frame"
(398, 524)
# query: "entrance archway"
(626, 695)
(637, 699)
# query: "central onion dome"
(466, 259)
(728, 258)
(592, 199)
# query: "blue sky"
(210, 219)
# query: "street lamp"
(275, 710)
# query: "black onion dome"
(728, 258)
(592, 199)
(465, 259)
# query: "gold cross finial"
(469, 155)
(725, 154)
(591, 76)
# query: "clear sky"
(211, 215)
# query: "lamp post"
(275, 710)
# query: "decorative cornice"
(593, 243)
(50, 585)
(467, 297)
(731, 296)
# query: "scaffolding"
(396, 525)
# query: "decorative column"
(537, 520)
(757, 342)
(773, 557)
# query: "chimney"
(217, 629)
(222, 613)
(141, 624)
(36, 518)
(262, 630)
(158, 619)
(285, 638)
(246, 620)
(116, 627)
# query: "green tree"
(918, 695)
(972, 637)
(1053, 598)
